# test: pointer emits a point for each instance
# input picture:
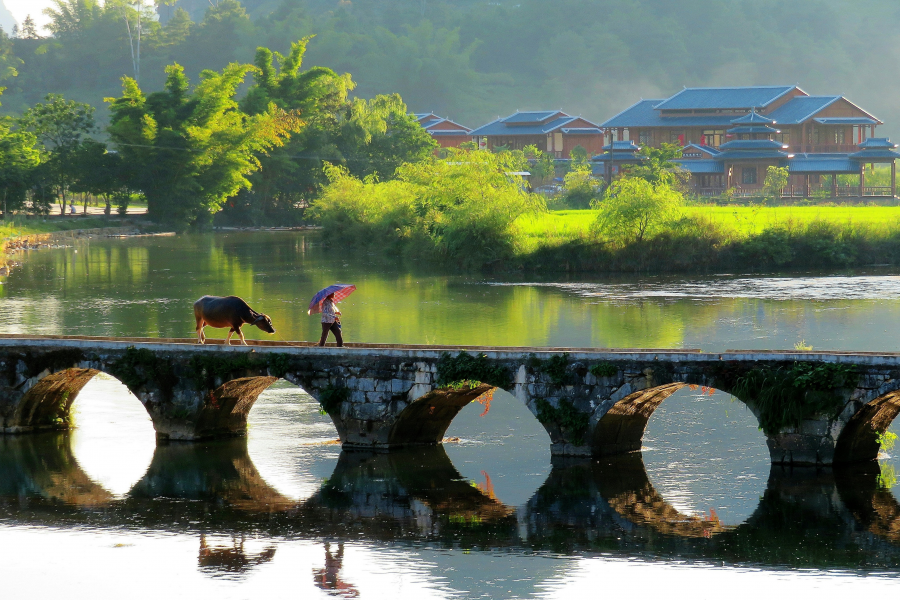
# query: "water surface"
(285, 513)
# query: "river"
(103, 512)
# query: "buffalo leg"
(241, 333)
(228, 339)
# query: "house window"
(814, 135)
(839, 136)
(748, 176)
(713, 137)
(676, 137)
(645, 137)
(784, 138)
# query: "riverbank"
(30, 234)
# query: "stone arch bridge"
(814, 407)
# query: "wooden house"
(551, 131)
(447, 133)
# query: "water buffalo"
(229, 311)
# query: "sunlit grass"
(566, 226)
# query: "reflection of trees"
(329, 578)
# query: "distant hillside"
(7, 20)
(473, 60)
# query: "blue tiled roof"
(708, 149)
(727, 98)
(875, 154)
(736, 145)
(752, 118)
(846, 121)
(529, 118)
(448, 132)
(705, 165)
(877, 143)
(799, 109)
(636, 115)
(741, 155)
(822, 163)
(501, 127)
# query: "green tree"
(581, 189)
(188, 151)
(633, 208)
(18, 159)
(540, 164)
(100, 173)
(60, 125)
(581, 161)
(657, 165)
(775, 181)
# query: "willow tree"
(190, 150)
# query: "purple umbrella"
(340, 291)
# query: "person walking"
(331, 321)
(324, 302)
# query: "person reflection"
(329, 579)
(233, 558)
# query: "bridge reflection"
(825, 518)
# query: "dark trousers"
(333, 328)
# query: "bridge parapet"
(591, 402)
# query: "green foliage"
(555, 368)
(462, 207)
(785, 397)
(887, 476)
(581, 160)
(462, 385)
(540, 164)
(279, 364)
(206, 368)
(776, 180)
(887, 440)
(633, 209)
(189, 151)
(658, 166)
(572, 422)
(581, 189)
(138, 367)
(465, 367)
(331, 398)
(603, 369)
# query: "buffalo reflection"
(231, 558)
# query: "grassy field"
(558, 227)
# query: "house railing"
(799, 191)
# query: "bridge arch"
(858, 440)
(426, 419)
(618, 426)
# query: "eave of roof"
(812, 163)
(702, 165)
(845, 121)
(733, 155)
(752, 145)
